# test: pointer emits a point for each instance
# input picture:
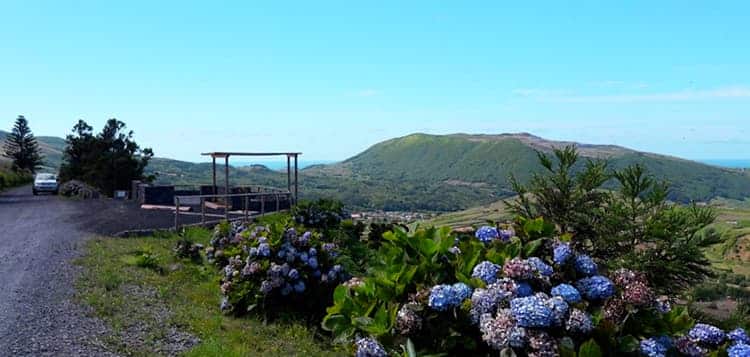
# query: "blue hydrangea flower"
(299, 287)
(517, 337)
(486, 271)
(543, 268)
(505, 234)
(531, 312)
(653, 347)
(569, 293)
(303, 257)
(331, 276)
(487, 234)
(369, 347)
(264, 250)
(707, 334)
(461, 292)
(442, 297)
(739, 335)
(293, 274)
(739, 350)
(585, 265)
(305, 238)
(312, 252)
(262, 240)
(561, 253)
(313, 262)
(596, 287)
(286, 290)
(252, 251)
(559, 310)
(523, 289)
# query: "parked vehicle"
(45, 183)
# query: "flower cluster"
(585, 265)
(369, 347)
(279, 266)
(486, 271)
(569, 293)
(656, 346)
(596, 288)
(443, 297)
(408, 320)
(487, 234)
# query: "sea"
(280, 164)
(729, 163)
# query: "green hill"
(444, 172)
(52, 148)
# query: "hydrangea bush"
(276, 267)
(433, 292)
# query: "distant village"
(391, 216)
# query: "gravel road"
(39, 236)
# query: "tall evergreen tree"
(21, 147)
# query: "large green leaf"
(590, 349)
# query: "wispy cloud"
(730, 92)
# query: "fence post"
(247, 198)
(262, 204)
(203, 210)
(177, 214)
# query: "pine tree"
(21, 147)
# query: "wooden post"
(177, 214)
(213, 159)
(246, 207)
(203, 210)
(262, 204)
(296, 183)
(226, 187)
(288, 174)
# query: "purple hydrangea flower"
(506, 234)
(264, 250)
(569, 293)
(585, 265)
(739, 350)
(596, 287)
(561, 253)
(688, 347)
(653, 348)
(369, 347)
(543, 268)
(707, 334)
(304, 239)
(407, 320)
(518, 269)
(739, 335)
(486, 271)
(266, 287)
(531, 312)
(579, 322)
(496, 330)
(487, 234)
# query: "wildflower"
(518, 269)
(487, 234)
(585, 265)
(407, 320)
(561, 253)
(369, 347)
(543, 268)
(486, 271)
(707, 334)
(579, 322)
(596, 287)
(739, 335)
(653, 348)
(569, 293)
(531, 312)
(739, 350)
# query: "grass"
(118, 271)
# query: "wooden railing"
(270, 195)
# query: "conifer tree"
(21, 147)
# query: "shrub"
(275, 268)
(321, 214)
(430, 293)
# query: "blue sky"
(332, 78)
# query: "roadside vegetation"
(580, 271)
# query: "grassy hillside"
(445, 172)
(52, 148)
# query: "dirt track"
(39, 238)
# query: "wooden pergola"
(226, 155)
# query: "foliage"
(108, 161)
(276, 268)
(9, 178)
(21, 147)
(187, 249)
(633, 227)
(321, 214)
